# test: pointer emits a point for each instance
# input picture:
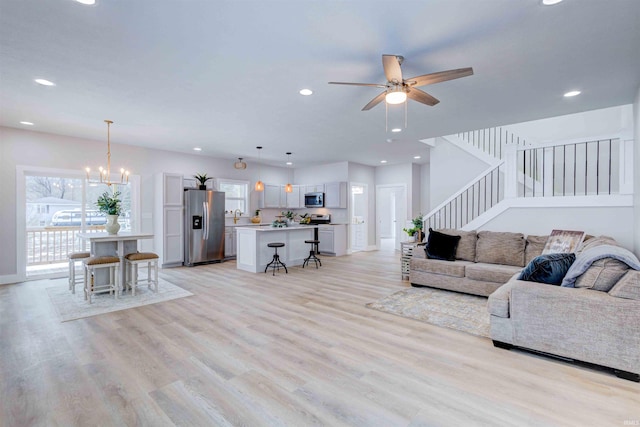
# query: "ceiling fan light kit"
(397, 96)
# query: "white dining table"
(120, 245)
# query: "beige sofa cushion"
(602, 275)
(504, 248)
(436, 266)
(627, 287)
(534, 247)
(597, 241)
(467, 246)
(491, 272)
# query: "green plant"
(290, 215)
(411, 231)
(202, 178)
(109, 204)
(417, 222)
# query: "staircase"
(518, 170)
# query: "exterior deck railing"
(50, 245)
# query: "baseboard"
(9, 279)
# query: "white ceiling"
(225, 75)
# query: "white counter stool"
(73, 259)
(94, 263)
(312, 253)
(131, 270)
(275, 263)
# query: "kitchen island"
(253, 254)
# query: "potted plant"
(256, 218)
(110, 205)
(418, 225)
(202, 178)
(289, 215)
(411, 232)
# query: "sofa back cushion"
(596, 241)
(467, 246)
(602, 275)
(496, 247)
(534, 247)
(627, 287)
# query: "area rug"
(462, 312)
(73, 306)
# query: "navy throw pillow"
(441, 246)
(549, 269)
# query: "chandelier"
(104, 175)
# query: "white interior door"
(359, 217)
(391, 212)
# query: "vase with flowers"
(111, 206)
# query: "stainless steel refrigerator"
(203, 226)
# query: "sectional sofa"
(596, 321)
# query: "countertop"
(292, 227)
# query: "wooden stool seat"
(73, 258)
(131, 270)
(91, 264)
(275, 263)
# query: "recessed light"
(572, 93)
(416, 157)
(383, 161)
(26, 123)
(550, 2)
(197, 149)
(87, 2)
(396, 130)
(289, 163)
(306, 92)
(44, 82)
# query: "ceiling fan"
(397, 89)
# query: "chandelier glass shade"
(240, 164)
(104, 174)
(259, 184)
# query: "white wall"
(331, 172)
(425, 188)
(604, 122)
(19, 147)
(450, 169)
(596, 221)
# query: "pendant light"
(259, 184)
(240, 164)
(288, 188)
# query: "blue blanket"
(586, 258)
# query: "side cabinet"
(335, 195)
(168, 222)
(230, 242)
(333, 239)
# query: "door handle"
(205, 218)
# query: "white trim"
(562, 142)
(9, 279)
(471, 149)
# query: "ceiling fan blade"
(441, 76)
(357, 84)
(392, 69)
(375, 101)
(421, 96)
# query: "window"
(236, 195)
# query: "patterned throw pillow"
(549, 269)
(441, 246)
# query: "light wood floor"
(298, 349)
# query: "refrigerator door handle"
(205, 220)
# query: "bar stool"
(131, 270)
(312, 253)
(73, 258)
(94, 263)
(275, 262)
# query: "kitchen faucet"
(237, 212)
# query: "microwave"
(314, 200)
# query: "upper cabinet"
(270, 197)
(335, 195)
(314, 188)
(293, 198)
(172, 189)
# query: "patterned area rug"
(73, 306)
(462, 312)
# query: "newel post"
(511, 172)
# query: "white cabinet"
(168, 221)
(293, 198)
(229, 242)
(270, 197)
(333, 239)
(335, 195)
(314, 188)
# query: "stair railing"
(492, 141)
